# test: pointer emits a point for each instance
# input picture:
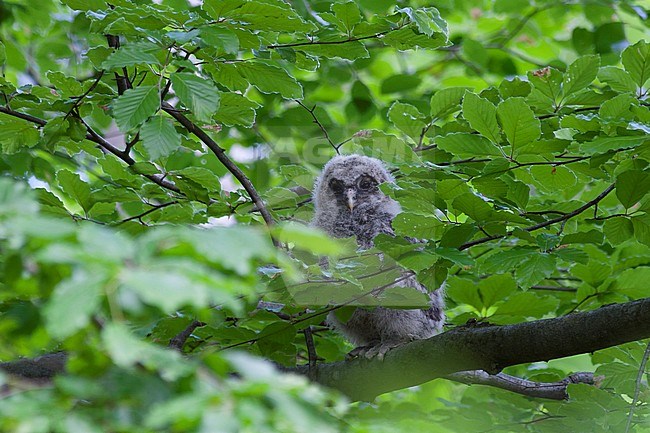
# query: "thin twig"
(339, 42)
(555, 288)
(541, 225)
(550, 390)
(224, 159)
(311, 348)
(86, 93)
(123, 83)
(324, 311)
(320, 125)
(637, 387)
(145, 213)
(98, 139)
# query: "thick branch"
(221, 155)
(489, 348)
(550, 390)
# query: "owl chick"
(348, 202)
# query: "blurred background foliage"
(118, 227)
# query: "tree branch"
(339, 42)
(489, 348)
(547, 223)
(179, 339)
(93, 136)
(221, 155)
(550, 390)
(123, 83)
(320, 125)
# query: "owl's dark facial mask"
(352, 195)
(363, 183)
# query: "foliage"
(517, 132)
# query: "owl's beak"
(351, 196)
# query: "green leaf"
(236, 109)
(467, 145)
(618, 230)
(348, 15)
(308, 239)
(77, 189)
(446, 101)
(547, 83)
(617, 79)
(127, 351)
(455, 256)
(17, 134)
(407, 119)
(418, 226)
(67, 85)
(135, 106)
(217, 37)
(270, 79)
(553, 179)
(631, 187)
(218, 8)
(473, 206)
(202, 176)
(73, 303)
(571, 255)
(273, 16)
(410, 37)
(464, 291)
(167, 289)
(602, 145)
(505, 261)
(159, 137)
(592, 236)
(136, 53)
(400, 83)
(523, 305)
(428, 20)
(535, 268)
(274, 336)
(633, 282)
(636, 60)
(197, 94)
(580, 74)
(482, 116)
(518, 122)
(641, 226)
(617, 108)
(495, 288)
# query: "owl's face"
(350, 192)
(351, 184)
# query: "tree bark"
(489, 348)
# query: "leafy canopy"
(517, 132)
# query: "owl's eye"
(366, 183)
(336, 186)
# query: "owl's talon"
(375, 351)
(358, 352)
